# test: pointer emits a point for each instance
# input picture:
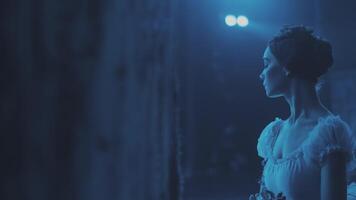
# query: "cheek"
(275, 76)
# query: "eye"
(266, 62)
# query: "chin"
(272, 94)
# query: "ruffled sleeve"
(267, 137)
(331, 134)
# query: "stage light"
(231, 20)
(242, 21)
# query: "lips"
(264, 86)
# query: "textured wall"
(88, 100)
(343, 95)
(336, 22)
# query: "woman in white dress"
(309, 155)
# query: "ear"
(286, 71)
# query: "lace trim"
(300, 150)
(291, 157)
(266, 138)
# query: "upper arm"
(333, 177)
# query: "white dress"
(297, 176)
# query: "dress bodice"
(297, 175)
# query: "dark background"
(149, 99)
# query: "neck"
(303, 100)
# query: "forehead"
(267, 55)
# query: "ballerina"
(309, 155)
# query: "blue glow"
(242, 21)
(231, 20)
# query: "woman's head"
(294, 53)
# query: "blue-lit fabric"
(297, 176)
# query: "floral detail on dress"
(265, 194)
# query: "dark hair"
(301, 52)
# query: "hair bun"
(322, 56)
(301, 52)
